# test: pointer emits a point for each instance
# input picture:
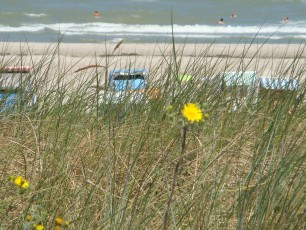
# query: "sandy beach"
(266, 60)
(159, 49)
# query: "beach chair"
(14, 88)
(240, 84)
(280, 87)
(271, 83)
(127, 79)
(239, 78)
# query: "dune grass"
(111, 166)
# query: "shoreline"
(157, 49)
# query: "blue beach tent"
(14, 85)
(127, 79)
(7, 101)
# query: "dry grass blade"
(88, 67)
(118, 45)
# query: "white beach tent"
(242, 82)
(239, 78)
(245, 81)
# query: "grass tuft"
(113, 166)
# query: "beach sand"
(266, 60)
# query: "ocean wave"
(186, 30)
(207, 36)
(116, 40)
(26, 28)
(300, 36)
(135, 15)
(35, 15)
(144, 0)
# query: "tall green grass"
(110, 166)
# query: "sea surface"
(151, 21)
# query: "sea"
(151, 21)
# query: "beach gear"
(184, 77)
(239, 78)
(16, 69)
(129, 79)
(278, 83)
(241, 86)
(15, 86)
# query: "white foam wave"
(208, 36)
(186, 29)
(35, 15)
(300, 36)
(163, 30)
(135, 15)
(144, 0)
(116, 40)
(27, 28)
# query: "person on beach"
(96, 14)
(233, 15)
(221, 21)
(285, 19)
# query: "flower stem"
(183, 147)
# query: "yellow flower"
(20, 182)
(169, 107)
(57, 227)
(58, 221)
(28, 217)
(192, 112)
(38, 227)
(66, 224)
